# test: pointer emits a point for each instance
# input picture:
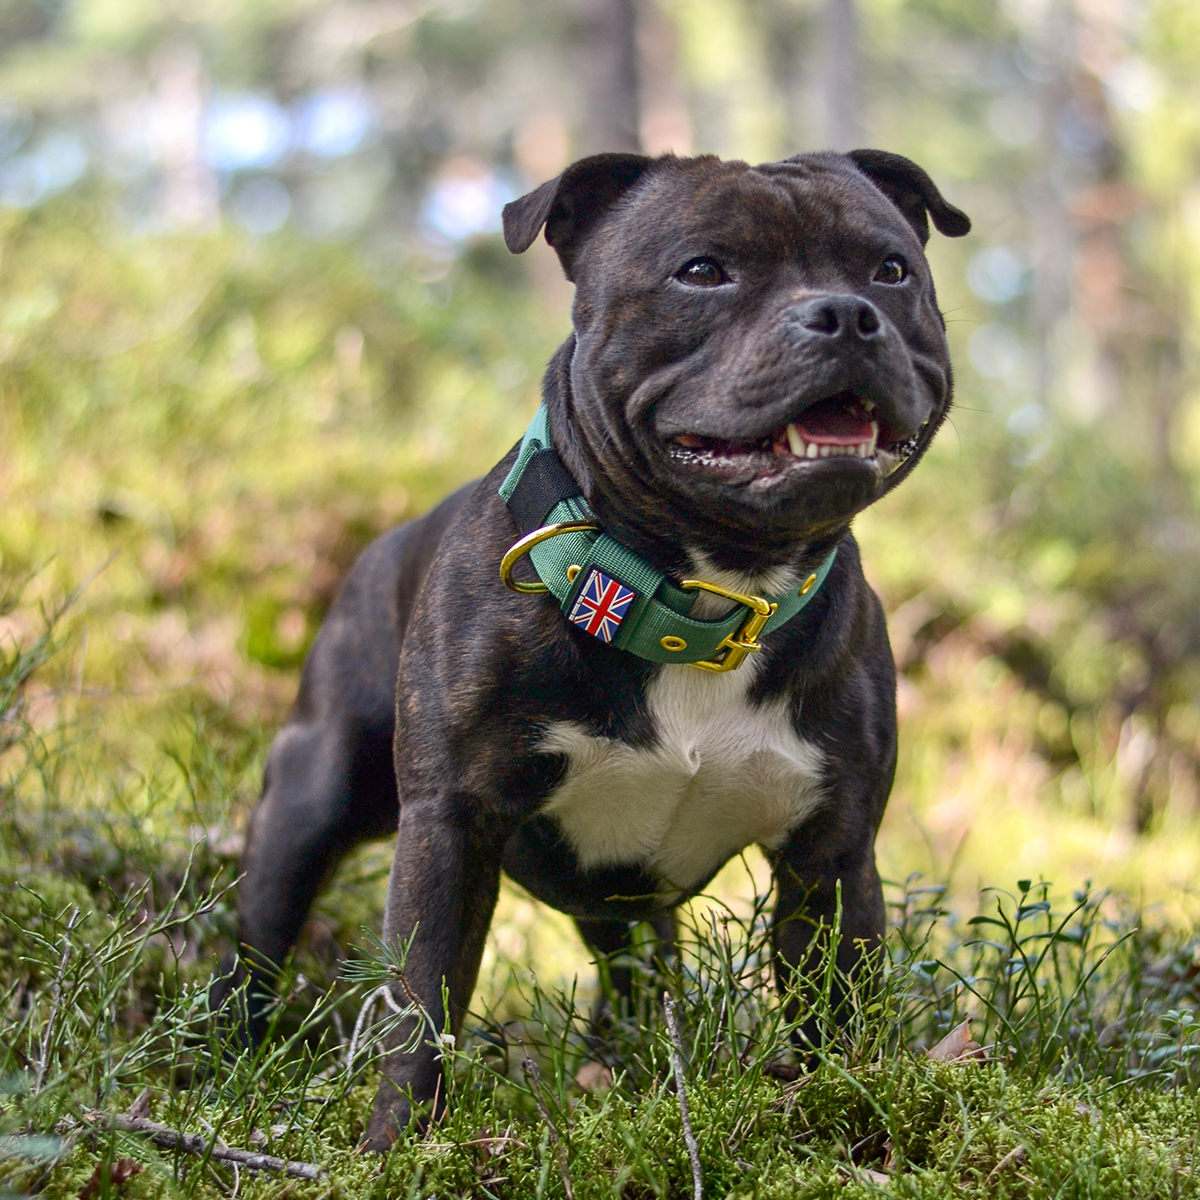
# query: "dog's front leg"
(441, 894)
(809, 887)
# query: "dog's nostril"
(820, 318)
(868, 320)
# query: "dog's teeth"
(813, 450)
(825, 451)
(796, 441)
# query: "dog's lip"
(838, 433)
(844, 424)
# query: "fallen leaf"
(119, 1172)
(875, 1176)
(594, 1077)
(1014, 1158)
(958, 1046)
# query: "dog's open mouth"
(840, 426)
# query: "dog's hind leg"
(329, 786)
(330, 782)
(610, 940)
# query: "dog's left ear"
(912, 191)
(569, 205)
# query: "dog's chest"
(721, 774)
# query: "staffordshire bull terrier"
(644, 640)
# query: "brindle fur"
(483, 672)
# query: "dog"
(644, 641)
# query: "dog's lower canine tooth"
(796, 441)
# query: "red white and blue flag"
(601, 605)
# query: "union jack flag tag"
(601, 605)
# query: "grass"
(199, 434)
(1085, 1010)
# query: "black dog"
(757, 356)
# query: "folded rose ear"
(912, 191)
(570, 205)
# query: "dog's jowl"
(644, 641)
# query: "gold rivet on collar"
(671, 642)
(807, 585)
(572, 571)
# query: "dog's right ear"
(912, 191)
(569, 205)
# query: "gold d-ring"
(527, 543)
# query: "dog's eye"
(702, 272)
(893, 269)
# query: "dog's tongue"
(835, 422)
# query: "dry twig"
(677, 1060)
(193, 1143)
(383, 993)
(55, 999)
(533, 1078)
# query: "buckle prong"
(745, 641)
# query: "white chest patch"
(723, 774)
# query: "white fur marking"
(724, 774)
(769, 582)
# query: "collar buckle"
(737, 645)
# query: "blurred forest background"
(254, 309)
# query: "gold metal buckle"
(745, 641)
(527, 543)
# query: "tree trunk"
(839, 74)
(606, 51)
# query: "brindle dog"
(757, 355)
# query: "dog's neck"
(771, 581)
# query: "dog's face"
(759, 353)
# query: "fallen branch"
(193, 1143)
(677, 1061)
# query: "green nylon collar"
(660, 611)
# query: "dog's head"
(758, 351)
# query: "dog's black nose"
(840, 316)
